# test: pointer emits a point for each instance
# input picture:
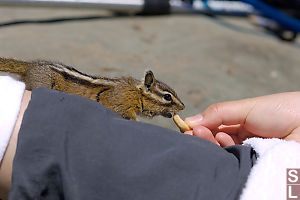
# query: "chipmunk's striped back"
(75, 75)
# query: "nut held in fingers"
(181, 124)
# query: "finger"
(294, 135)
(231, 130)
(224, 139)
(237, 132)
(242, 134)
(188, 132)
(205, 133)
(226, 113)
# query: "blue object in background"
(281, 18)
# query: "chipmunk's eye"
(167, 97)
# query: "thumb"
(225, 113)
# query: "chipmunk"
(126, 96)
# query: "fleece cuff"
(11, 94)
(267, 179)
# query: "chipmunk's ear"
(149, 79)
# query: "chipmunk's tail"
(13, 66)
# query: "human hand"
(230, 123)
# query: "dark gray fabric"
(73, 148)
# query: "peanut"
(181, 124)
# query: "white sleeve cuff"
(267, 179)
(11, 94)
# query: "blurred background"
(207, 51)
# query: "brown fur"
(126, 96)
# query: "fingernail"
(194, 121)
(188, 133)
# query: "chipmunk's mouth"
(167, 114)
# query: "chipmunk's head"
(158, 98)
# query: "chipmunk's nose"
(182, 106)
